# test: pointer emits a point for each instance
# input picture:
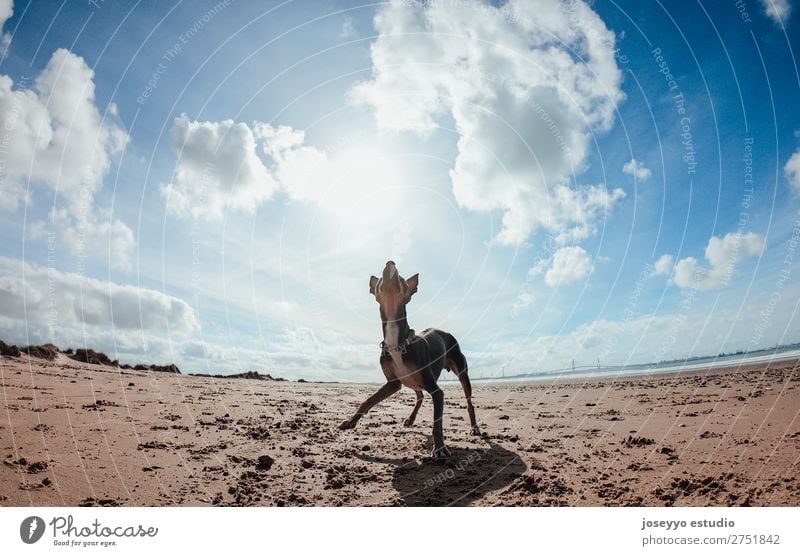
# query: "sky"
(213, 183)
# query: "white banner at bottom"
(400, 531)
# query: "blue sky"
(616, 181)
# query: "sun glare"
(367, 187)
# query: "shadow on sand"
(467, 476)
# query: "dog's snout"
(389, 271)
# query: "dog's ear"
(373, 283)
(412, 282)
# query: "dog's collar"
(401, 348)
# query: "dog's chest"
(406, 374)
(401, 371)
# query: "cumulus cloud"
(198, 349)
(663, 266)
(110, 237)
(69, 302)
(6, 11)
(777, 10)
(722, 255)
(229, 165)
(637, 169)
(58, 139)
(573, 214)
(792, 172)
(525, 299)
(300, 170)
(526, 85)
(218, 167)
(567, 265)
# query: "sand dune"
(73, 433)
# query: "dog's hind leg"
(383, 392)
(411, 418)
(457, 364)
(463, 377)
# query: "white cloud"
(637, 169)
(663, 266)
(57, 138)
(6, 11)
(217, 168)
(198, 349)
(110, 238)
(526, 84)
(525, 299)
(238, 166)
(568, 265)
(228, 165)
(86, 236)
(573, 214)
(301, 171)
(777, 10)
(792, 172)
(135, 324)
(333, 355)
(722, 256)
(73, 303)
(540, 267)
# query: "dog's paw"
(408, 422)
(348, 424)
(475, 431)
(441, 452)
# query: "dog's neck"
(395, 327)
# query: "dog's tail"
(455, 354)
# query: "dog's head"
(391, 290)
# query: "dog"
(413, 360)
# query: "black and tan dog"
(413, 360)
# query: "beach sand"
(79, 434)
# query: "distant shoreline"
(783, 353)
(727, 362)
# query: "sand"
(79, 434)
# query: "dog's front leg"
(411, 418)
(384, 392)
